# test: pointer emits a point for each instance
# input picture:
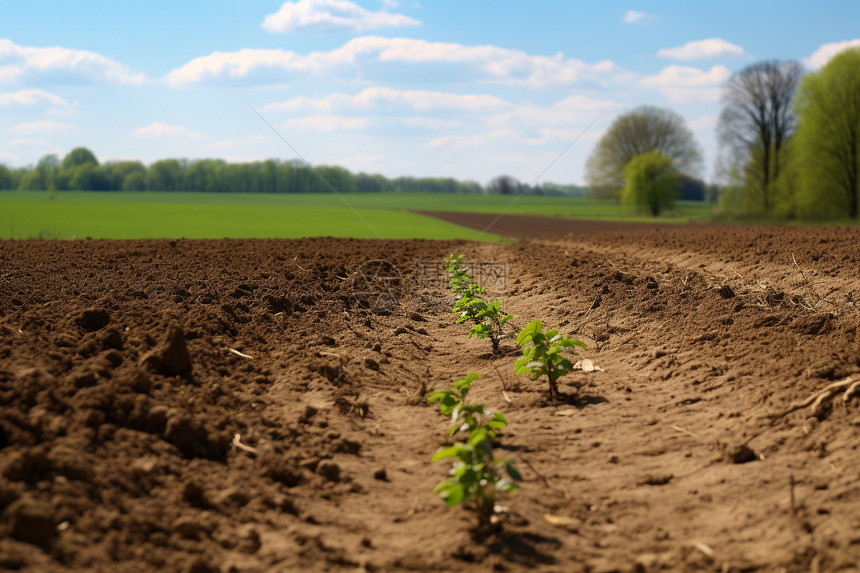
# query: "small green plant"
(466, 417)
(469, 303)
(542, 354)
(488, 317)
(460, 279)
(476, 475)
(490, 323)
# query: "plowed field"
(258, 405)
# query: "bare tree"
(641, 130)
(757, 121)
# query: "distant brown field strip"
(535, 226)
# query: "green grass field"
(122, 215)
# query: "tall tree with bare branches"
(757, 121)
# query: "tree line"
(81, 170)
(789, 145)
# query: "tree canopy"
(639, 131)
(828, 137)
(652, 182)
(79, 156)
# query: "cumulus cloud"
(23, 142)
(683, 84)
(331, 15)
(574, 110)
(224, 144)
(32, 98)
(474, 140)
(710, 48)
(328, 123)
(61, 65)
(367, 55)
(705, 122)
(823, 54)
(634, 17)
(384, 98)
(160, 129)
(44, 126)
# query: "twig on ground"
(597, 298)
(239, 354)
(237, 442)
(689, 433)
(819, 399)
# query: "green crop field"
(123, 215)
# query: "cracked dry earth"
(128, 368)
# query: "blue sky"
(400, 87)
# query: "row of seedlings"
(477, 476)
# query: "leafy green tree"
(134, 181)
(642, 130)
(5, 177)
(652, 182)
(756, 122)
(31, 181)
(89, 177)
(118, 171)
(828, 137)
(165, 175)
(79, 156)
(47, 170)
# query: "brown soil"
(120, 399)
(536, 227)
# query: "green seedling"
(466, 417)
(476, 476)
(469, 303)
(542, 354)
(460, 279)
(453, 263)
(490, 323)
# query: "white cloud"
(476, 62)
(225, 144)
(43, 126)
(22, 142)
(574, 110)
(328, 123)
(710, 48)
(683, 84)
(331, 15)
(384, 98)
(823, 54)
(32, 98)
(160, 129)
(634, 16)
(422, 122)
(705, 122)
(476, 140)
(21, 63)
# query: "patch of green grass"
(210, 215)
(213, 215)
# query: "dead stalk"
(819, 399)
(239, 354)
